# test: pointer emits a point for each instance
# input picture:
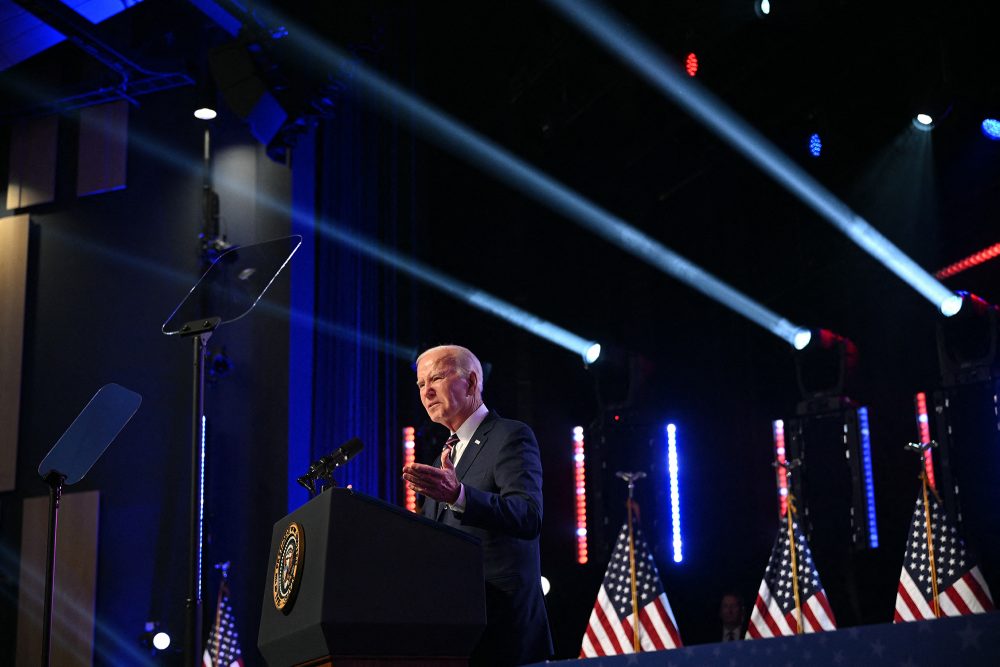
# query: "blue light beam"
(648, 61)
(491, 158)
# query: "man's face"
(447, 395)
(730, 611)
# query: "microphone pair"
(323, 467)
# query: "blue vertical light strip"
(675, 496)
(866, 460)
(302, 326)
(201, 508)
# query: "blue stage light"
(815, 145)
(675, 497)
(991, 128)
(866, 462)
(637, 52)
(465, 143)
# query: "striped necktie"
(450, 444)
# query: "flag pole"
(783, 465)
(213, 651)
(631, 477)
(930, 545)
(923, 448)
(795, 568)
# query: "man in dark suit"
(733, 617)
(488, 483)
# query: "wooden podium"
(371, 584)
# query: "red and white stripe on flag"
(767, 619)
(774, 613)
(607, 635)
(968, 595)
(961, 587)
(611, 627)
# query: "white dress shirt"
(465, 433)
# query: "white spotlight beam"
(491, 158)
(589, 350)
(636, 51)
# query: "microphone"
(323, 467)
(346, 452)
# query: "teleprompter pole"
(201, 331)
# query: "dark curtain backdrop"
(364, 167)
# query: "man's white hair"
(465, 361)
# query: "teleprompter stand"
(228, 291)
(352, 581)
(70, 460)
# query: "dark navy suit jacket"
(502, 473)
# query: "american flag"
(223, 647)
(610, 630)
(774, 611)
(961, 588)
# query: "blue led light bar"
(648, 61)
(866, 461)
(675, 497)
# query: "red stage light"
(972, 260)
(924, 428)
(782, 472)
(691, 64)
(579, 463)
(409, 440)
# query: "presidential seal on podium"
(288, 566)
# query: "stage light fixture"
(991, 128)
(546, 586)
(592, 353)
(762, 8)
(205, 113)
(154, 637)
(825, 367)
(691, 64)
(815, 145)
(975, 259)
(801, 339)
(781, 467)
(649, 62)
(924, 429)
(675, 498)
(923, 122)
(967, 342)
(580, 470)
(864, 435)
(951, 305)
(409, 457)
(205, 98)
